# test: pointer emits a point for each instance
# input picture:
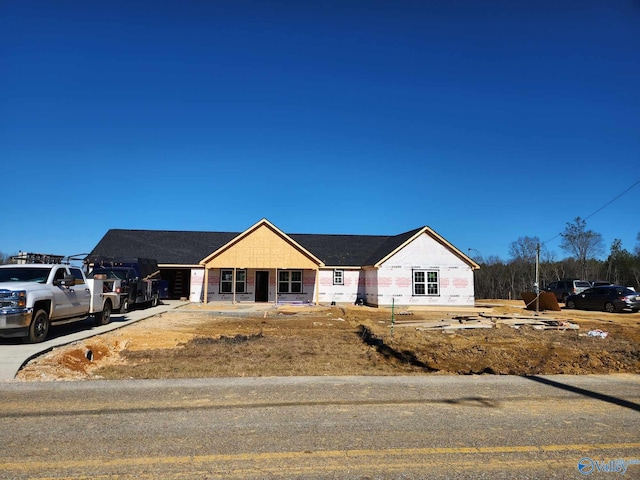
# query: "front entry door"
(262, 286)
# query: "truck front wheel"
(39, 327)
(104, 317)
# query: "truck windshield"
(18, 274)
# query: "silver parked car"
(565, 287)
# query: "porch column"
(233, 282)
(317, 284)
(277, 283)
(206, 284)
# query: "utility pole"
(537, 284)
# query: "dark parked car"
(565, 287)
(612, 298)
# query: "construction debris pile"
(482, 320)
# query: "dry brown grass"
(259, 347)
(197, 342)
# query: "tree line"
(499, 279)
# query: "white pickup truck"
(35, 296)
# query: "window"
(338, 277)
(76, 272)
(290, 281)
(20, 274)
(241, 281)
(226, 281)
(426, 282)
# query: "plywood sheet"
(547, 301)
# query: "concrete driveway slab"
(14, 354)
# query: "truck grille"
(5, 298)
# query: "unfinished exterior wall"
(369, 279)
(348, 292)
(395, 278)
(196, 294)
(425, 271)
(392, 282)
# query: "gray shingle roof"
(189, 248)
(166, 247)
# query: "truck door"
(69, 301)
(80, 296)
(63, 298)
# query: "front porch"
(260, 285)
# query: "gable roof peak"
(249, 231)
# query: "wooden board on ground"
(456, 323)
(538, 324)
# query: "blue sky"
(485, 120)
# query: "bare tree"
(522, 267)
(583, 244)
(525, 249)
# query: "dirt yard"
(198, 341)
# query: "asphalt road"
(464, 427)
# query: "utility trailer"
(139, 278)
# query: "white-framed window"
(338, 277)
(426, 282)
(226, 281)
(290, 281)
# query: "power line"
(612, 200)
(601, 208)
